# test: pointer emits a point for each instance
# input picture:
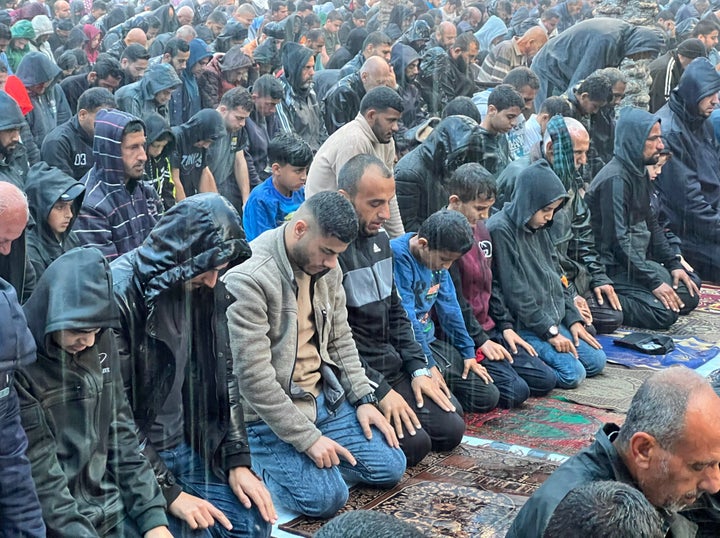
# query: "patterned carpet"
(613, 389)
(472, 491)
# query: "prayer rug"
(548, 424)
(472, 491)
(701, 324)
(689, 351)
(709, 299)
(613, 389)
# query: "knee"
(450, 434)
(690, 303)
(392, 470)
(513, 394)
(541, 385)
(415, 447)
(325, 500)
(594, 361)
(606, 320)
(481, 401)
(571, 377)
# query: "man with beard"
(445, 74)
(667, 448)
(134, 62)
(630, 242)
(13, 156)
(370, 132)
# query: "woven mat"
(612, 390)
(709, 299)
(472, 491)
(548, 424)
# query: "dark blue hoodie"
(17, 347)
(185, 101)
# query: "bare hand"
(563, 345)
(609, 291)
(249, 489)
(495, 352)
(583, 308)
(578, 332)
(325, 453)
(668, 297)
(158, 532)
(369, 415)
(398, 413)
(689, 268)
(427, 386)
(471, 365)
(439, 381)
(197, 513)
(513, 340)
(679, 275)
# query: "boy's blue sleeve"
(258, 216)
(451, 319)
(404, 283)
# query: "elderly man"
(512, 53)
(668, 448)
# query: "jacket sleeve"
(93, 230)
(410, 197)
(451, 317)
(57, 152)
(60, 510)
(28, 140)
(63, 113)
(401, 335)
(336, 111)
(476, 332)
(208, 90)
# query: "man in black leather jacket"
(177, 369)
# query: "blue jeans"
(570, 371)
(196, 479)
(20, 513)
(296, 483)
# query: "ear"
(422, 242)
(370, 115)
(275, 168)
(491, 110)
(641, 448)
(345, 194)
(454, 201)
(300, 228)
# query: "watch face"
(553, 330)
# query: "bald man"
(14, 265)
(668, 448)
(61, 10)
(512, 53)
(444, 36)
(136, 35)
(185, 15)
(342, 102)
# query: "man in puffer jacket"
(223, 73)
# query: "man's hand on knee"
(249, 489)
(325, 452)
(368, 415)
(197, 513)
(397, 411)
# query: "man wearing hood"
(190, 169)
(69, 146)
(43, 28)
(178, 368)
(650, 281)
(151, 93)
(105, 73)
(22, 32)
(13, 156)
(90, 476)
(50, 107)
(420, 174)
(54, 199)
(689, 186)
(185, 101)
(405, 62)
(20, 509)
(588, 46)
(119, 210)
(530, 284)
(223, 73)
(299, 111)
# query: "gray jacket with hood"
(138, 98)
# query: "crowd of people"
(254, 253)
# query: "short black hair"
(505, 96)
(313, 35)
(277, 5)
(175, 45)
(3, 67)
(557, 104)
(520, 77)
(217, 17)
(5, 32)
(107, 66)
(237, 98)
(704, 27)
(465, 40)
(376, 39)
(462, 106)
(664, 15)
(381, 98)
(135, 52)
(333, 15)
(289, 148)
(304, 6)
(133, 126)
(550, 13)
(353, 170)
(333, 214)
(470, 182)
(99, 4)
(447, 230)
(597, 86)
(152, 22)
(93, 99)
(268, 86)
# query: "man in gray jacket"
(298, 369)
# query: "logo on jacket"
(486, 247)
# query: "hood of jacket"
(294, 57)
(631, 132)
(355, 40)
(207, 124)
(42, 25)
(493, 28)
(155, 127)
(401, 56)
(168, 21)
(36, 68)
(644, 39)
(16, 342)
(109, 125)
(198, 51)
(196, 235)
(90, 31)
(12, 117)
(454, 141)
(22, 29)
(537, 187)
(157, 78)
(699, 80)
(44, 186)
(235, 58)
(74, 292)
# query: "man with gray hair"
(668, 448)
(14, 265)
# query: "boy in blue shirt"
(421, 268)
(275, 200)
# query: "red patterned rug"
(709, 299)
(548, 424)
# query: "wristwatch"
(369, 398)
(552, 332)
(420, 372)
